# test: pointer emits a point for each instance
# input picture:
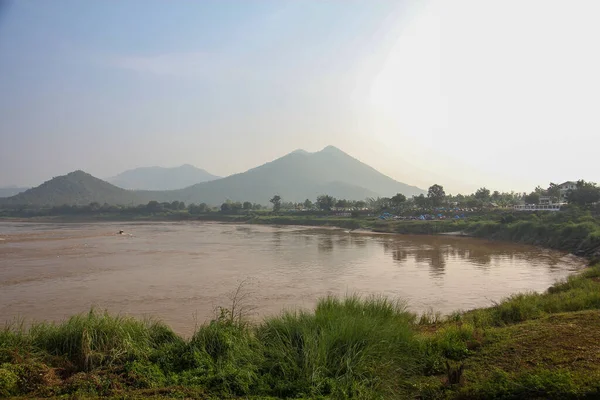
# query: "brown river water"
(179, 272)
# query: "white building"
(537, 207)
(564, 189)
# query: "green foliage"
(546, 384)
(347, 348)
(99, 339)
(421, 201)
(572, 230)
(325, 202)
(276, 200)
(9, 381)
(482, 194)
(143, 374)
(532, 198)
(454, 341)
(398, 200)
(436, 195)
(226, 358)
(585, 194)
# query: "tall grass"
(348, 347)
(99, 339)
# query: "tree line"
(584, 195)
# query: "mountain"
(77, 188)
(159, 178)
(11, 191)
(296, 177)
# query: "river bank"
(527, 346)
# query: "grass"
(350, 348)
(557, 356)
(527, 346)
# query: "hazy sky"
(461, 93)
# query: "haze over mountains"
(160, 178)
(75, 188)
(295, 177)
(8, 191)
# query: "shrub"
(143, 374)
(9, 381)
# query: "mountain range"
(160, 178)
(295, 177)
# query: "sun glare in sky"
(465, 93)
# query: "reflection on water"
(176, 271)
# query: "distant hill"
(77, 188)
(159, 178)
(296, 177)
(11, 191)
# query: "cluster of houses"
(547, 203)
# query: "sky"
(468, 93)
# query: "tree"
(276, 200)
(585, 193)
(436, 194)
(308, 204)
(421, 201)
(325, 202)
(532, 198)
(153, 205)
(398, 200)
(342, 203)
(193, 209)
(496, 195)
(554, 192)
(226, 207)
(482, 194)
(360, 204)
(247, 205)
(198, 209)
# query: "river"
(179, 272)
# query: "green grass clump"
(350, 348)
(455, 341)
(225, 357)
(100, 339)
